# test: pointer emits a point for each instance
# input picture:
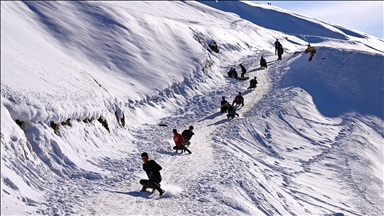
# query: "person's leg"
(155, 185)
(176, 148)
(145, 184)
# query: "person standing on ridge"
(153, 172)
(280, 51)
(276, 45)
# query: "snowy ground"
(309, 140)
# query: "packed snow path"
(205, 162)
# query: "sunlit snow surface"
(309, 140)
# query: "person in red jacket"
(179, 142)
(238, 100)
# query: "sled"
(245, 78)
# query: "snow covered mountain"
(85, 87)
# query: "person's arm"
(157, 167)
(154, 168)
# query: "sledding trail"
(183, 174)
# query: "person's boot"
(161, 192)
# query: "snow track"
(205, 162)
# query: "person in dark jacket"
(233, 73)
(230, 72)
(276, 45)
(252, 83)
(263, 62)
(231, 112)
(280, 51)
(238, 100)
(223, 105)
(243, 71)
(187, 135)
(153, 172)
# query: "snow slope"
(309, 140)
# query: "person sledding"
(187, 135)
(239, 100)
(263, 62)
(179, 142)
(233, 73)
(153, 172)
(231, 112)
(223, 105)
(252, 83)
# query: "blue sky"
(364, 16)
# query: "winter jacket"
(252, 82)
(224, 103)
(277, 44)
(239, 98)
(243, 70)
(234, 74)
(153, 170)
(187, 135)
(178, 138)
(280, 50)
(263, 62)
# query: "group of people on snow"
(232, 73)
(182, 143)
(182, 140)
(225, 106)
(153, 169)
(279, 50)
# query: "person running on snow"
(223, 105)
(243, 71)
(187, 135)
(153, 172)
(179, 142)
(263, 62)
(252, 83)
(231, 112)
(238, 100)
